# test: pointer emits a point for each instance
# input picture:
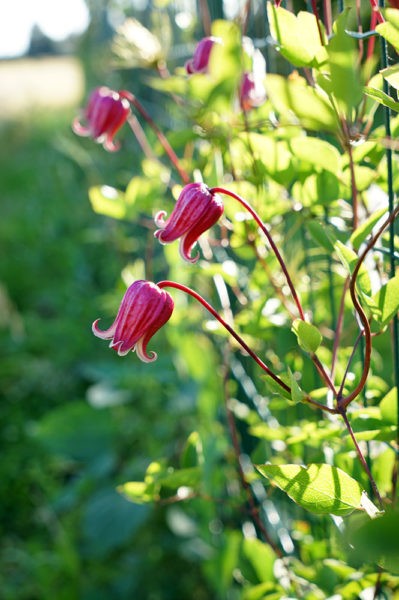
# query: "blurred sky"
(56, 18)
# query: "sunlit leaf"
(361, 233)
(311, 106)
(349, 259)
(309, 337)
(297, 395)
(287, 29)
(387, 301)
(344, 69)
(389, 407)
(318, 153)
(321, 489)
(382, 98)
(364, 177)
(390, 28)
(136, 491)
(108, 201)
(260, 557)
(322, 234)
(320, 188)
(391, 75)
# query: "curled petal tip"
(158, 234)
(186, 255)
(98, 332)
(80, 129)
(117, 346)
(142, 354)
(159, 219)
(111, 146)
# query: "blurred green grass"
(65, 532)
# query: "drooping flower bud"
(144, 309)
(105, 113)
(200, 61)
(252, 92)
(195, 211)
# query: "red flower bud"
(105, 113)
(195, 211)
(144, 309)
(252, 93)
(200, 61)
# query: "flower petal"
(105, 334)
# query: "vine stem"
(327, 16)
(361, 457)
(353, 186)
(243, 344)
(375, 7)
(276, 251)
(141, 137)
(316, 14)
(294, 294)
(161, 137)
(214, 313)
(338, 329)
(343, 403)
(323, 373)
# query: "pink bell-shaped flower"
(105, 113)
(195, 211)
(200, 60)
(144, 309)
(252, 92)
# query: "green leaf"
(192, 453)
(108, 201)
(297, 395)
(377, 540)
(137, 492)
(106, 516)
(322, 234)
(389, 407)
(309, 337)
(362, 232)
(344, 70)
(391, 75)
(364, 177)
(263, 591)
(189, 477)
(78, 431)
(265, 432)
(387, 301)
(320, 488)
(287, 29)
(349, 259)
(311, 106)
(382, 98)
(274, 154)
(260, 558)
(317, 152)
(390, 29)
(320, 188)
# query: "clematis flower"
(252, 93)
(195, 211)
(200, 61)
(144, 309)
(105, 113)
